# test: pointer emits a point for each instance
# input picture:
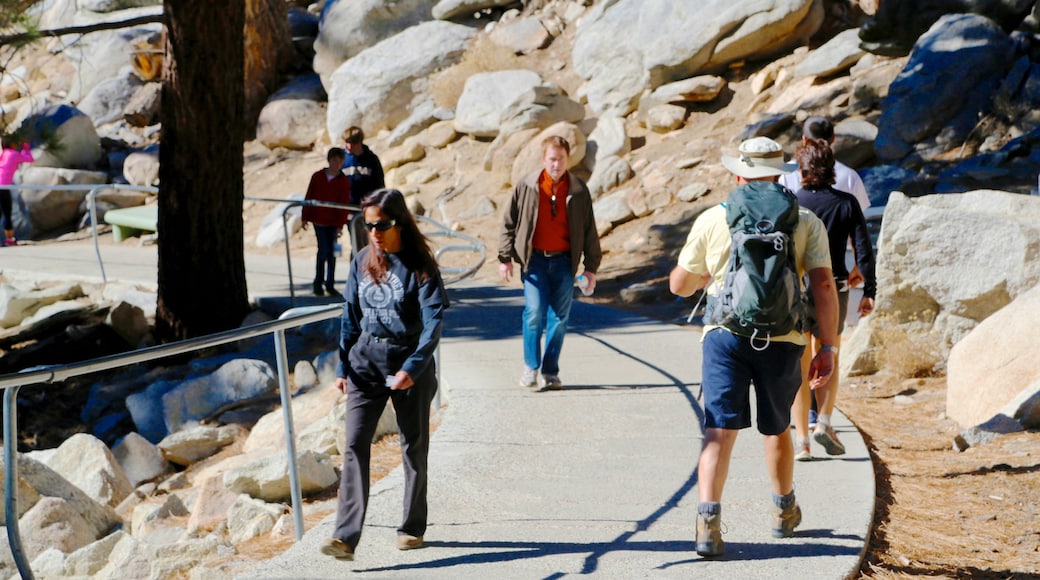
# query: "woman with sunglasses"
(391, 325)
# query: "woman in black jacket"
(395, 302)
(841, 214)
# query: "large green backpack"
(761, 295)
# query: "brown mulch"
(940, 512)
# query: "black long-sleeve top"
(843, 218)
(406, 307)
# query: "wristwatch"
(831, 348)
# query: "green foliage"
(14, 15)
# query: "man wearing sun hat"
(731, 363)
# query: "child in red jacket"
(328, 184)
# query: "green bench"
(131, 221)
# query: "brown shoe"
(786, 520)
(709, 536)
(337, 549)
(409, 542)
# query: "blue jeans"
(548, 292)
(325, 266)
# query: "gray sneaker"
(801, 450)
(552, 382)
(709, 535)
(529, 378)
(826, 435)
(786, 520)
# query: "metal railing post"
(14, 536)
(290, 434)
(288, 256)
(92, 204)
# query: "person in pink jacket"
(10, 159)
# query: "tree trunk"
(202, 282)
(268, 52)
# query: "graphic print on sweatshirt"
(379, 301)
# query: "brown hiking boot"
(786, 520)
(709, 535)
(337, 549)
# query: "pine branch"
(112, 25)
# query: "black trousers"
(367, 395)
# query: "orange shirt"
(551, 233)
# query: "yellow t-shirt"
(707, 251)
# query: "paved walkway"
(597, 480)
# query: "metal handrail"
(449, 275)
(11, 383)
(92, 191)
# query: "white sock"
(823, 419)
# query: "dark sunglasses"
(380, 226)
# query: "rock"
(895, 27)
(47, 483)
(835, 56)
(769, 125)
(624, 47)
(412, 150)
(211, 504)
(50, 563)
(612, 210)
(693, 192)
(698, 89)
(487, 96)
(607, 139)
(144, 106)
(530, 157)
(375, 89)
(54, 523)
(540, 107)
(88, 464)
(854, 141)
(959, 90)
(106, 102)
(304, 376)
(440, 134)
(249, 518)
(308, 408)
(665, 118)
(188, 446)
(978, 387)
(142, 168)
(448, 9)
(522, 36)
(272, 230)
(422, 116)
(129, 322)
(153, 518)
(348, 27)
(482, 208)
(422, 176)
(916, 287)
(881, 180)
(89, 559)
(17, 305)
(870, 85)
(641, 292)
(81, 147)
(268, 478)
(195, 399)
(140, 460)
(294, 116)
(51, 209)
(610, 172)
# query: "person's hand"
(821, 368)
(591, 277)
(855, 277)
(341, 385)
(505, 271)
(866, 306)
(403, 383)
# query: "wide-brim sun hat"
(759, 157)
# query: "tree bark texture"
(268, 52)
(202, 282)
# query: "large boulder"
(40, 211)
(896, 26)
(375, 90)
(348, 27)
(106, 102)
(47, 483)
(624, 47)
(267, 478)
(307, 408)
(946, 263)
(87, 463)
(195, 399)
(487, 96)
(293, 117)
(191, 445)
(140, 459)
(946, 86)
(80, 144)
(54, 523)
(978, 387)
